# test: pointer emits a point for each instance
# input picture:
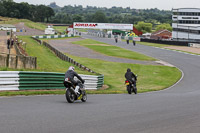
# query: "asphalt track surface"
(174, 110)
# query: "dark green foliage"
(110, 15)
(23, 10)
(69, 14)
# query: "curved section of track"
(175, 110)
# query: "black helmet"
(128, 70)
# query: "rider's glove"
(83, 81)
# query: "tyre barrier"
(53, 36)
(21, 80)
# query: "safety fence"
(168, 42)
(20, 80)
(17, 61)
(53, 36)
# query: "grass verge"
(46, 60)
(28, 23)
(150, 78)
(165, 47)
(154, 44)
(111, 50)
(60, 28)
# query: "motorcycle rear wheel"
(129, 89)
(70, 96)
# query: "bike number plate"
(127, 83)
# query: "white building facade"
(186, 24)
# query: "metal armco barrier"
(63, 56)
(20, 80)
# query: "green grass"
(28, 23)
(64, 38)
(112, 50)
(60, 28)
(164, 46)
(32, 92)
(149, 44)
(150, 78)
(154, 44)
(34, 25)
(46, 60)
(82, 30)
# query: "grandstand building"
(186, 24)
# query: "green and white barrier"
(20, 80)
(52, 36)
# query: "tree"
(99, 17)
(23, 9)
(41, 13)
(2, 9)
(164, 26)
(49, 13)
(77, 18)
(144, 27)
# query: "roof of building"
(7, 25)
(160, 31)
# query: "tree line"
(70, 14)
(143, 19)
(23, 10)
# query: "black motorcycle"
(131, 87)
(70, 93)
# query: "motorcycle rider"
(69, 76)
(130, 76)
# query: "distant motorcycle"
(71, 95)
(131, 87)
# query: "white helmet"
(71, 68)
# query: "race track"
(174, 110)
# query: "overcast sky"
(137, 4)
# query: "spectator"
(133, 43)
(12, 42)
(8, 43)
(127, 41)
(116, 39)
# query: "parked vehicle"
(50, 31)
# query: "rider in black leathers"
(69, 76)
(130, 76)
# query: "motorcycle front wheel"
(70, 96)
(84, 96)
(135, 90)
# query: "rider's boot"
(77, 90)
